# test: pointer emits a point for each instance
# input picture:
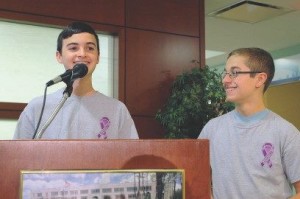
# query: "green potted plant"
(196, 97)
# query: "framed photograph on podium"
(103, 184)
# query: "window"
(131, 189)
(117, 189)
(95, 191)
(63, 193)
(106, 190)
(84, 191)
(55, 193)
(74, 192)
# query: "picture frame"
(103, 184)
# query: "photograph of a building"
(103, 185)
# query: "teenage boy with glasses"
(254, 153)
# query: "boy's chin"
(229, 99)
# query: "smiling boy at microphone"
(87, 113)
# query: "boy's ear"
(261, 79)
(58, 57)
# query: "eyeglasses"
(234, 74)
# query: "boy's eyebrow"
(91, 43)
(73, 43)
(232, 68)
(88, 43)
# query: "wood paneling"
(11, 110)
(192, 156)
(104, 11)
(148, 127)
(55, 22)
(153, 61)
(174, 16)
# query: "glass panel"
(287, 69)
(28, 62)
(7, 129)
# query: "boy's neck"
(249, 112)
(250, 109)
(83, 88)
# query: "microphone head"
(70, 75)
(79, 71)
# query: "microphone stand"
(67, 93)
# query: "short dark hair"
(258, 60)
(75, 28)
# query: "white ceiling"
(272, 34)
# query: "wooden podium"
(190, 155)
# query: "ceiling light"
(249, 12)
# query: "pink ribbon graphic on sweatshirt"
(104, 124)
(267, 151)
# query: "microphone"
(78, 71)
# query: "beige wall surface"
(285, 100)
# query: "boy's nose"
(82, 52)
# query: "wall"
(284, 100)
(157, 41)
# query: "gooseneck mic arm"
(66, 94)
(61, 103)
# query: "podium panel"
(190, 155)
